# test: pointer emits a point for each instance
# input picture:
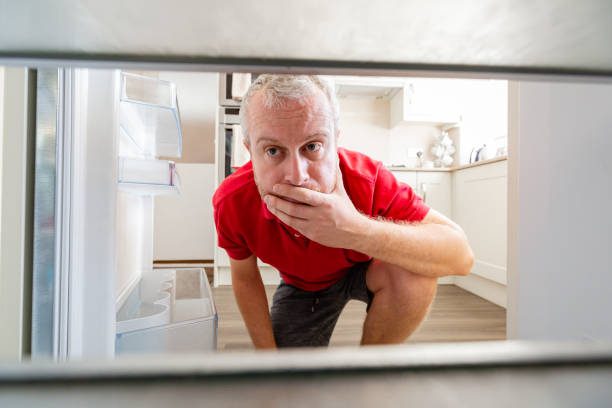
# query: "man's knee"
(405, 287)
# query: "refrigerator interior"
(96, 293)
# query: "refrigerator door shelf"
(148, 177)
(188, 322)
(149, 115)
(149, 304)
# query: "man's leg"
(306, 319)
(401, 302)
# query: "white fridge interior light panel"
(149, 115)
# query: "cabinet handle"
(424, 192)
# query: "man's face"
(294, 144)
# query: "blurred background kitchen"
(447, 138)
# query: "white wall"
(484, 109)
(197, 94)
(560, 265)
(184, 226)
(364, 126)
(405, 139)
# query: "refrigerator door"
(75, 210)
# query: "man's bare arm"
(434, 247)
(252, 301)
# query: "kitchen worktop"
(464, 166)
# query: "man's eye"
(313, 147)
(273, 151)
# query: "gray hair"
(280, 88)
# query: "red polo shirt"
(246, 227)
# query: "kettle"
(481, 154)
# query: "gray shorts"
(307, 319)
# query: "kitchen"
(476, 195)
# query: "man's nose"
(296, 171)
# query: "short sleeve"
(396, 200)
(227, 236)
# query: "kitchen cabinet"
(480, 208)
(408, 177)
(411, 100)
(475, 198)
(347, 86)
(426, 101)
(223, 274)
(434, 187)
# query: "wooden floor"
(456, 315)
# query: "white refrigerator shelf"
(149, 115)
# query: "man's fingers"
(301, 194)
(293, 222)
(295, 210)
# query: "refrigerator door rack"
(168, 311)
(149, 127)
(148, 177)
(149, 116)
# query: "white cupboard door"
(435, 190)
(426, 100)
(480, 208)
(408, 177)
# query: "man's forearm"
(427, 249)
(252, 301)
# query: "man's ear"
(246, 145)
(337, 136)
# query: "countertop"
(455, 168)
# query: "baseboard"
(485, 288)
(446, 280)
(489, 271)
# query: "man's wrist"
(363, 233)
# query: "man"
(335, 223)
